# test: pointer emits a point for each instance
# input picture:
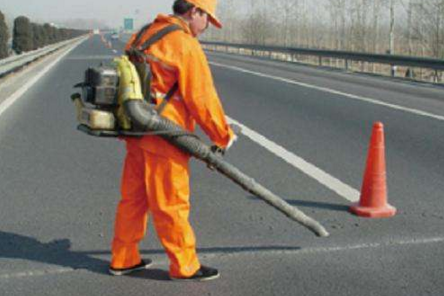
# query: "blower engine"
(104, 90)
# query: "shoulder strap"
(159, 35)
(140, 33)
(156, 37)
(146, 45)
(167, 98)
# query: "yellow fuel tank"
(129, 88)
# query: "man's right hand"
(217, 150)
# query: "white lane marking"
(115, 51)
(329, 90)
(16, 95)
(309, 169)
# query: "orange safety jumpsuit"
(156, 175)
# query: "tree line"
(405, 27)
(29, 36)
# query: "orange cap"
(209, 6)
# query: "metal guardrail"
(393, 60)
(16, 62)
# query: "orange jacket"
(179, 57)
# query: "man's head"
(198, 13)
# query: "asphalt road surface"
(305, 137)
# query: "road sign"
(128, 24)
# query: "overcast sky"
(107, 12)
(111, 12)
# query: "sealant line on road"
(334, 184)
(35, 273)
(302, 251)
(248, 252)
(17, 94)
(332, 91)
(309, 251)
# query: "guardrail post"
(393, 70)
(320, 61)
(409, 73)
(346, 65)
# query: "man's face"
(199, 21)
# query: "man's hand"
(217, 150)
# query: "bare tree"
(337, 11)
(252, 26)
(289, 13)
(428, 28)
(392, 27)
(228, 14)
(358, 25)
(376, 9)
(409, 27)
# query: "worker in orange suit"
(156, 176)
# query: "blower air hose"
(145, 118)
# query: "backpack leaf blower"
(119, 109)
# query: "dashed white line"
(336, 92)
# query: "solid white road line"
(332, 91)
(16, 95)
(334, 184)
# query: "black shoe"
(205, 273)
(144, 264)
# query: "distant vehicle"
(114, 36)
(96, 31)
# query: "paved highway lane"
(332, 131)
(59, 189)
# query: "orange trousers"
(159, 186)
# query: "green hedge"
(4, 36)
(39, 36)
(29, 36)
(23, 35)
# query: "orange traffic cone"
(373, 201)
